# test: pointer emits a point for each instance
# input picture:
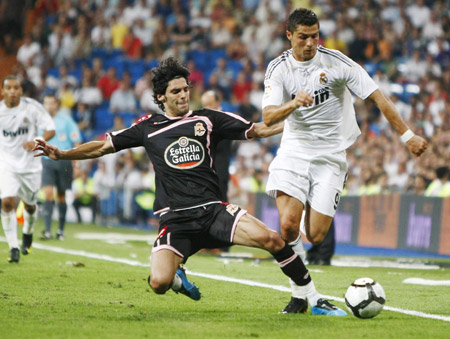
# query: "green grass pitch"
(53, 294)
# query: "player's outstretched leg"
(182, 285)
(324, 307)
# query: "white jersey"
(18, 125)
(329, 125)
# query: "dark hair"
(167, 70)
(9, 77)
(442, 172)
(301, 16)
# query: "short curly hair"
(301, 16)
(167, 70)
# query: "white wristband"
(405, 137)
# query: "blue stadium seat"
(201, 59)
(235, 67)
(128, 118)
(151, 64)
(101, 53)
(215, 55)
(371, 67)
(118, 64)
(104, 120)
(229, 107)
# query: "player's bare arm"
(47, 135)
(416, 144)
(274, 114)
(261, 130)
(89, 150)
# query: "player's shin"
(9, 222)
(29, 221)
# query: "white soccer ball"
(365, 298)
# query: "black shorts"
(57, 173)
(186, 232)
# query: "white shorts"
(22, 185)
(318, 180)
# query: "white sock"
(297, 246)
(28, 221)
(9, 222)
(311, 293)
(176, 283)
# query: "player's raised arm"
(89, 150)
(261, 130)
(273, 114)
(416, 144)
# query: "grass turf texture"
(47, 296)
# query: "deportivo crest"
(199, 129)
(232, 209)
(323, 79)
(185, 153)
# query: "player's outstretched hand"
(417, 145)
(47, 149)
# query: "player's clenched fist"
(303, 98)
(417, 145)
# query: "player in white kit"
(310, 87)
(21, 119)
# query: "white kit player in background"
(310, 87)
(20, 172)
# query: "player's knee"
(7, 205)
(158, 284)
(316, 237)
(289, 228)
(30, 208)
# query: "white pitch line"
(218, 277)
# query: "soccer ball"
(365, 298)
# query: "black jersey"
(182, 152)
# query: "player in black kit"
(192, 215)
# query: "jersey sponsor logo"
(321, 95)
(323, 79)
(185, 153)
(232, 209)
(199, 129)
(20, 131)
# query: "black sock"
(62, 209)
(48, 213)
(291, 265)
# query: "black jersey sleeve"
(127, 138)
(229, 125)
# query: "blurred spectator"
(439, 187)
(144, 33)
(60, 45)
(84, 194)
(132, 46)
(196, 75)
(123, 99)
(108, 83)
(84, 118)
(247, 110)
(118, 32)
(29, 51)
(101, 34)
(88, 94)
(241, 87)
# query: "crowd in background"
(404, 44)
